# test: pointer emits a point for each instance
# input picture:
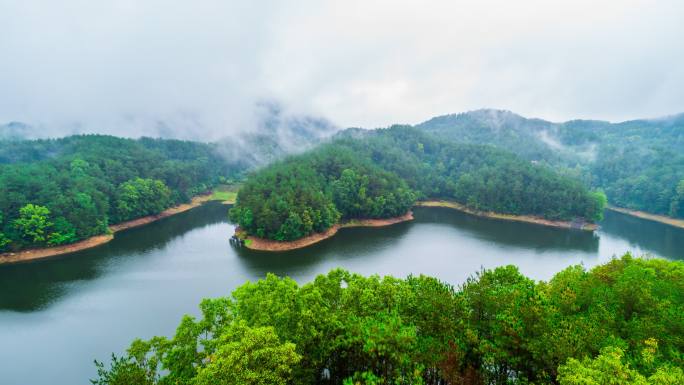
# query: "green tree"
(618, 323)
(677, 204)
(380, 175)
(63, 232)
(249, 356)
(139, 197)
(4, 240)
(607, 369)
(78, 178)
(596, 205)
(123, 371)
(33, 223)
(610, 368)
(349, 192)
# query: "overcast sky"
(129, 67)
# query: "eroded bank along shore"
(262, 244)
(579, 225)
(651, 217)
(47, 252)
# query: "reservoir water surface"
(58, 315)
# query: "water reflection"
(348, 243)
(655, 237)
(34, 285)
(141, 283)
(513, 234)
(359, 243)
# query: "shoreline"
(679, 223)
(584, 226)
(262, 244)
(98, 240)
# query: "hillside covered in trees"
(619, 323)
(58, 191)
(381, 173)
(638, 163)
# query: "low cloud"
(202, 69)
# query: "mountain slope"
(639, 163)
(381, 173)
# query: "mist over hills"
(276, 135)
(538, 139)
(639, 163)
(15, 131)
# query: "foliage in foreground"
(619, 323)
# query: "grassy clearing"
(225, 193)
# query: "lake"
(57, 315)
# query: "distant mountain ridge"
(639, 163)
(491, 125)
(496, 127)
(277, 133)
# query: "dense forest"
(619, 323)
(380, 174)
(639, 163)
(59, 191)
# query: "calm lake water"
(57, 315)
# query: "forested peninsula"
(57, 192)
(619, 323)
(381, 174)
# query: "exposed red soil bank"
(32, 254)
(508, 217)
(262, 244)
(651, 217)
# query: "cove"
(65, 312)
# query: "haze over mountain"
(15, 131)
(275, 135)
(538, 139)
(639, 163)
(189, 70)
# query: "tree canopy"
(620, 322)
(380, 174)
(59, 191)
(638, 163)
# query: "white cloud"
(201, 66)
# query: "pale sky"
(200, 67)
